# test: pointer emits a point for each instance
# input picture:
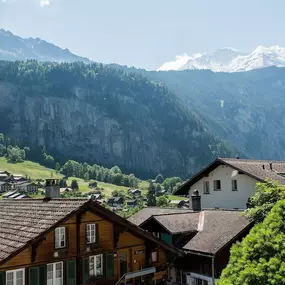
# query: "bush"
(259, 258)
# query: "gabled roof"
(209, 230)
(25, 221)
(216, 229)
(257, 169)
(118, 199)
(146, 213)
(177, 223)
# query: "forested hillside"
(95, 114)
(247, 109)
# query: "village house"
(65, 189)
(135, 192)
(205, 236)
(14, 195)
(97, 196)
(5, 186)
(179, 203)
(229, 182)
(161, 192)
(4, 175)
(115, 201)
(16, 178)
(74, 242)
(132, 203)
(26, 187)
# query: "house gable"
(225, 197)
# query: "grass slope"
(34, 171)
(28, 168)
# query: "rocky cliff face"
(129, 122)
(246, 109)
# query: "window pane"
(58, 281)
(10, 276)
(154, 256)
(99, 265)
(91, 266)
(9, 282)
(19, 274)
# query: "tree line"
(86, 171)
(13, 152)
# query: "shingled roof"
(23, 221)
(260, 170)
(179, 222)
(146, 213)
(213, 229)
(216, 229)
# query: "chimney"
(270, 165)
(52, 188)
(196, 201)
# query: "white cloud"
(4, 1)
(179, 61)
(44, 3)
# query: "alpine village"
(113, 175)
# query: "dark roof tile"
(23, 220)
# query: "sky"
(146, 33)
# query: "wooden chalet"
(5, 186)
(205, 237)
(55, 241)
(26, 187)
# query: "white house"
(229, 182)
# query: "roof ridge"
(168, 214)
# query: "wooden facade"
(117, 247)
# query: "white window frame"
(206, 187)
(60, 233)
(234, 183)
(154, 256)
(155, 234)
(54, 271)
(91, 233)
(95, 271)
(215, 188)
(14, 280)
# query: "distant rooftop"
(210, 229)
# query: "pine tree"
(151, 199)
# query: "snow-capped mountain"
(229, 60)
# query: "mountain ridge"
(13, 48)
(229, 60)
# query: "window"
(200, 281)
(217, 185)
(60, 239)
(96, 265)
(234, 185)
(55, 273)
(157, 235)
(154, 256)
(206, 187)
(15, 277)
(91, 233)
